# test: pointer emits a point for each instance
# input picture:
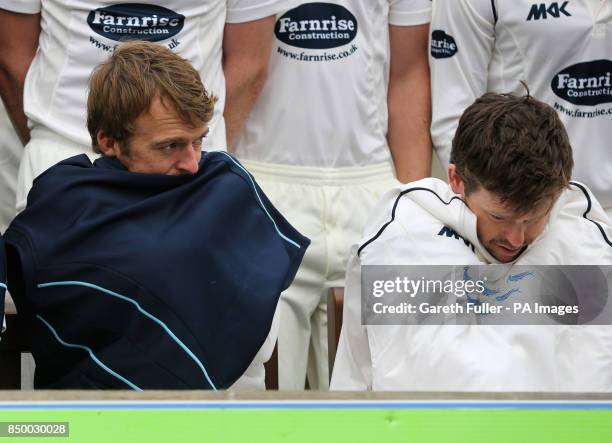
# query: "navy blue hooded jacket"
(147, 281)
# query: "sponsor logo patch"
(542, 11)
(135, 21)
(316, 26)
(442, 44)
(588, 83)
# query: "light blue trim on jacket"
(147, 314)
(91, 354)
(283, 236)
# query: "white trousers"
(45, 149)
(10, 155)
(329, 206)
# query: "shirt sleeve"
(462, 39)
(409, 12)
(21, 6)
(240, 11)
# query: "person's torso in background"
(563, 50)
(325, 101)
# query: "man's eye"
(199, 141)
(169, 147)
(496, 217)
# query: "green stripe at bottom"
(318, 426)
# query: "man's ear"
(108, 145)
(455, 182)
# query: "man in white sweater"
(509, 200)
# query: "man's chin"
(504, 255)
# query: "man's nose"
(515, 236)
(189, 160)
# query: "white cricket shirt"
(325, 102)
(562, 50)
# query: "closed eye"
(169, 147)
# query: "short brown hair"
(515, 147)
(123, 87)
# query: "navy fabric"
(147, 281)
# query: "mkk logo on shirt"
(542, 11)
(134, 21)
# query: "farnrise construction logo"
(586, 84)
(134, 21)
(317, 26)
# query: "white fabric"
(10, 154)
(55, 91)
(570, 239)
(326, 106)
(44, 150)
(330, 208)
(471, 357)
(535, 47)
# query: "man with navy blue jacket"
(156, 266)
